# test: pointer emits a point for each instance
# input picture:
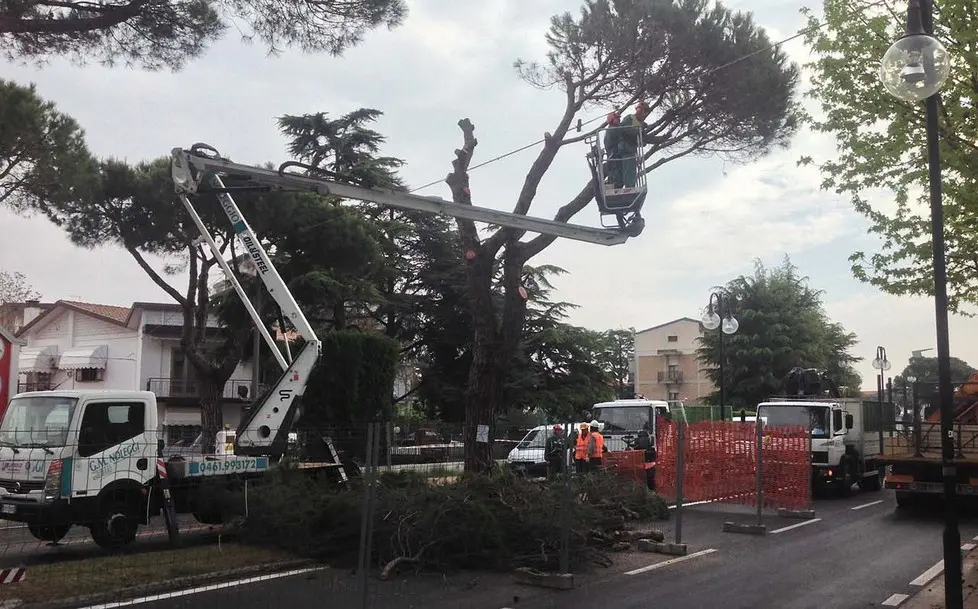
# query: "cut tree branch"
(458, 182)
(110, 17)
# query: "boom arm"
(264, 431)
(201, 159)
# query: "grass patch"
(108, 574)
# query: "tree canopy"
(881, 144)
(43, 155)
(782, 326)
(14, 288)
(715, 84)
(924, 370)
(155, 34)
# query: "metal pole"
(889, 394)
(953, 594)
(364, 520)
(565, 504)
(916, 421)
(879, 398)
(680, 474)
(722, 357)
(757, 467)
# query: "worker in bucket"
(621, 145)
(555, 451)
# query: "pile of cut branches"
(474, 522)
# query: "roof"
(119, 316)
(669, 323)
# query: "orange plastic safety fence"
(720, 464)
(628, 464)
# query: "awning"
(37, 359)
(175, 417)
(84, 357)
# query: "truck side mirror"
(849, 423)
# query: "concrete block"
(661, 547)
(799, 514)
(746, 529)
(557, 581)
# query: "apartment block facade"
(665, 362)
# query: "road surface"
(858, 553)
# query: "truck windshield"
(623, 418)
(37, 421)
(815, 418)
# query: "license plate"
(8, 509)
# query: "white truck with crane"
(95, 459)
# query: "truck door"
(113, 444)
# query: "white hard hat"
(595, 424)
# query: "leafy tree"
(43, 154)
(881, 143)
(618, 357)
(684, 58)
(924, 369)
(14, 289)
(158, 34)
(782, 326)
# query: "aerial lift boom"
(201, 170)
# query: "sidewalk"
(932, 595)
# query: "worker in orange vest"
(595, 447)
(580, 449)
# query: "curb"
(931, 595)
(172, 585)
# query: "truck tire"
(51, 533)
(116, 525)
(905, 500)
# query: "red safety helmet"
(613, 118)
(558, 428)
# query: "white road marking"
(866, 505)
(201, 589)
(671, 561)
(968, 547)
(975, 538)
(795, 526)
(928, 575)
(895, 600)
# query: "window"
(107, 424)
(89, 375)
(837, 424)
(672, 339)
(673, 396)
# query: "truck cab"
(625, 423)
(842, 451)
(72, 457)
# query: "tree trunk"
(211, 411)
(483, 398)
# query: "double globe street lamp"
(718, 315)
(914, 68)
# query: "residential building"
(666, 367)
(9, 355)
(78, 345)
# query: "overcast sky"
(706, 220)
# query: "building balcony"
(670, 377)
(234, 389)
(42, 386)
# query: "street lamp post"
(882, 364)
(915, 68)
(718, 315)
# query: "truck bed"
(903, 445)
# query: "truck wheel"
(116, 525)
(905, 500)
(52, 533)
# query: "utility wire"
(771, 47)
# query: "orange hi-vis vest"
(596, 445)
(580, 449)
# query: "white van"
(528, 456)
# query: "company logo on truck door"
(106, 464)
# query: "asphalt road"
(859, 553)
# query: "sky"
(706, 220)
